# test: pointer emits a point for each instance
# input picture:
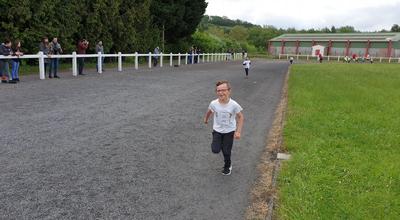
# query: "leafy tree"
(395, 28)
(177, 18)
(239, 33)
(346, 29)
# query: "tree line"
(122, 25)
(217, 33)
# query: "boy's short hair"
(223, 82)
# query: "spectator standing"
(199, 53)
(55, 49)
(195, 54)
(44, 47)
(15, 63)
(82, 47)
(320, 58)
(156, 53)
(191, 55)
(100, 49)
(5, 50)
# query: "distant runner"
(246, 64)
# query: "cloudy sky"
(363, 15)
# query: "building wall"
(377, 49)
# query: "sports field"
(342, 130)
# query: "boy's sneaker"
(227, 171)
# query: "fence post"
(99, 63)
(279, 57)
(136, 60)
(307, 57)
(380, 60)
(203, 57)
(338, 58)
(390, 59)
(179, 59)
(74, 64)
(149, 59)
(170, 59)
(208, 57)
(186, 58)
(41, 66)
(161, 59)
(328, 58)
(119, 62)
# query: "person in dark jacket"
(5, 50)
(81, 48)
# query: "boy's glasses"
(222, 90)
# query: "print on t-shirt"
(223, 118)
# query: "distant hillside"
(224, 22)
(215, 33)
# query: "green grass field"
(343, 132)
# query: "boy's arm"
(207, 116)
(239, 124)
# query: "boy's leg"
(227, 142)
(216, 143)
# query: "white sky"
(363, 15)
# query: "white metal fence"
(201, 58)
(338, 58)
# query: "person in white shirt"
(246, 65)
(227, 123)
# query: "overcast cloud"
(363, 15)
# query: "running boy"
(228, 123)
(246, 64)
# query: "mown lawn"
(343, 132)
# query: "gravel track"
(130, 145)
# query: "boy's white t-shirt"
(246, 64)
(225, 115)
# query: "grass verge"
(342, 130)
(263, 192)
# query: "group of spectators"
(51, 63)
(194, 54)
(357, 59)
(49, 49)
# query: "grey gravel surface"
(130, 145)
